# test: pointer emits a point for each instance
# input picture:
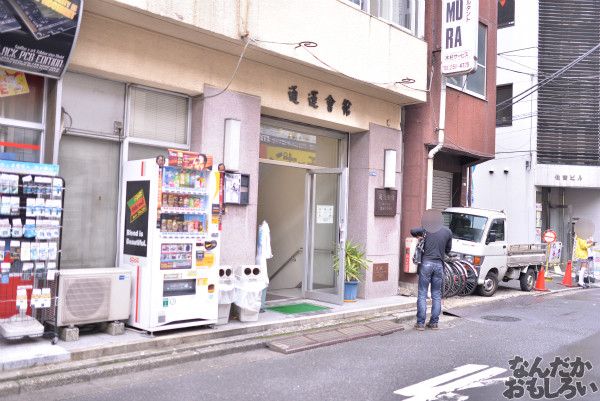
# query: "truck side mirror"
(491, 238)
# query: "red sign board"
(549, 236)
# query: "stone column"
(208, 136)
(380, 235)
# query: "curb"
(85, 372)
(282, 327)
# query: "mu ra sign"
(460, 23)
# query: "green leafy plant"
(354, 261)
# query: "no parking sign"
(549, 236)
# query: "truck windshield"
(465, 226)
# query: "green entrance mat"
(296, 308)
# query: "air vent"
(86, 299)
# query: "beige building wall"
(349, 40)
(183, 45)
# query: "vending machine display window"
(176, 256)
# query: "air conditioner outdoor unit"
(92, 295)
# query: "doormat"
(296, 308)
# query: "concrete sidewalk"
(28, 353)
(28, 365)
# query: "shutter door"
(442, 190)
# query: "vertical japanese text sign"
(460, 23)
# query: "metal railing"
(287, 262)
(293, 259)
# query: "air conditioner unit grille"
(85, 299)
(50, 315)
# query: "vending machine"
(170, 225)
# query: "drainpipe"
(440, 144)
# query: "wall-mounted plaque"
(380, 271)
(385, 202)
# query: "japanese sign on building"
(460, 22)
(385, 202)
(37, 36)
(313, 100)
(562, 175)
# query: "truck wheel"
(489, 286)
(527, 280)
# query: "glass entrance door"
(325, 234)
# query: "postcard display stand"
(171, 242)
(31, 205)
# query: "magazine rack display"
(31, 211)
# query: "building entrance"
(302, 195)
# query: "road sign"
(549, 236)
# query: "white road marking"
(444, 385)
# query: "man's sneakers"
(582, 285)
(432, 326)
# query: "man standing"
(438, 242)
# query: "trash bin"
(226, 288)
(249, 285)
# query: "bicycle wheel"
(447, 281)
(453, 280)
(460, 276)
(470, 281)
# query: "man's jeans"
(429, 272)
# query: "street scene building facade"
(232, 199)
(545, 171)
(469, 125)
(309, 93)
(306, 92)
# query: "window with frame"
(474, 83)
(503, 107)
(359, 3)
(398, 12)
(22, 119)
(158, 116)
(497, 229)
(506, 13)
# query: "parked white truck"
(479, 236)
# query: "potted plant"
(354, 264)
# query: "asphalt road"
(563, 325)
